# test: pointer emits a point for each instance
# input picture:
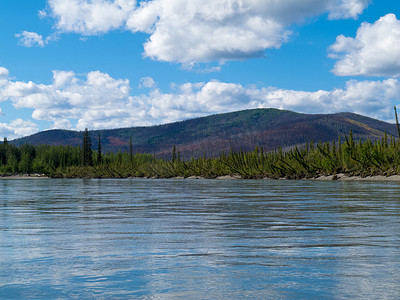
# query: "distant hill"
(269, 128)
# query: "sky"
(102, 64)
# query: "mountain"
(269, 128)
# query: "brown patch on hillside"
(116, 141)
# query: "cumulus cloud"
(375, 51)
(18, 128)
(4, 73)
(371, 98)
(89, 17)
(346, 8)
(91, 100)
(98, 101)
(4, 80)
(207, 30)
(196, 31)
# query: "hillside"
(269, 128)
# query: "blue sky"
(97, 64)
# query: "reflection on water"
(199, 239)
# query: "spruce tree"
(3, 152)
(397, 122)
(174, 154)
(130, 149)
(99, 157)
(86, 149)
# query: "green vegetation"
(87, 156)
(363, 158)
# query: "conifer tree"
(130, 149)
(174, 154)
(99, 156)
(397, 122)
(3, 152)
(86, 149)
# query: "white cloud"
(30, 39)
(147, 82)
(18, 128)
(4, 80)
(98, 101)
(71, 98)
(207, 30)
(90, 17)
(196, 31)
(371, 98)
(3, 76)
(375, 51)
(33, 39)
(345, 9)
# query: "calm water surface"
(199, 239)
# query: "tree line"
(363, 158)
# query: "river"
(199, 239)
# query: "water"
(199, 239)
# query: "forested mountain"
(267, 128)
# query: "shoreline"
(24, 176)
(336, 177)
(344, 177)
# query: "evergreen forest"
(348, 156)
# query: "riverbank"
(344, 177)
(338, 177)
(24, 176)
(349, 160)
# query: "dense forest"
(362, 158)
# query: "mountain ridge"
(211, 135)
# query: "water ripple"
(195, 239)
